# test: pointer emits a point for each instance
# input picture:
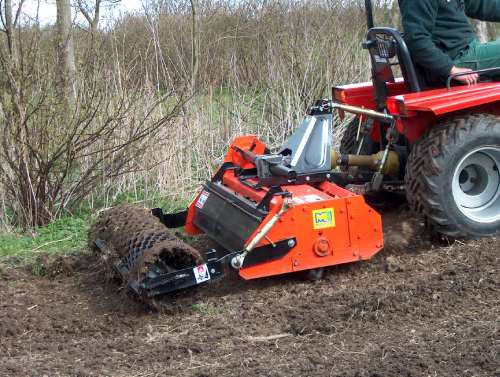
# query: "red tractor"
(436, 142)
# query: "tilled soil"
(417, 308)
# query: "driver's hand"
(468, 79)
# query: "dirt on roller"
(417, 308)
(137, 239)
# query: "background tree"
(66, 131)
(195, 46)
(66, 54)
(10, 22)
(92, 12)
(85, 120)
(481, 31)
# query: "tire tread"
(427, 160)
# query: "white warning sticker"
(202, 199)
(378, 59)
(201, 273)
(307, 199)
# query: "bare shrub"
(52, 158)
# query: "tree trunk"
(93, 21)
(480, 30)
(65, 53)
(194, 46)
(10, 61)
(9, 26)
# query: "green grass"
(209, 308)
(63, 236)
(140, 196)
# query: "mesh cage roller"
(138, 240)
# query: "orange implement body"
(330, 224)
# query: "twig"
(271, 337)
(48, 243)
(353, 352)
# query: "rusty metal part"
(390, 167)
(362, 111)
(238, 260)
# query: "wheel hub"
(476, 184)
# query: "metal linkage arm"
(214, 270)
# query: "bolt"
(291, 243)
(360, 236)
(212, 271)
(328, 176)
(308, 179)
(323, 246)
(296, 263)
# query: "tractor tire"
(453, 176)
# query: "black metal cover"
(227, 217)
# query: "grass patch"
(140, 197)
(209, 308)
(64, 236)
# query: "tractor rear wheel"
(453, 176)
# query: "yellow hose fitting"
(391, 166)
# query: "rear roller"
(139, 246)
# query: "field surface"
(417, 308)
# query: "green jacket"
(436, 30)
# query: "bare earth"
(418, 308)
